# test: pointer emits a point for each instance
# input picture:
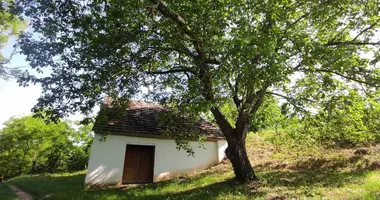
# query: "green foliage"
(29, 145)
(201, 55)
(269, 116)
(340, 121)
(183, 127)
(10, 26)
(204, 53)
(350, 119)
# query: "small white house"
(136, 151)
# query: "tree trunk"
(34, 166)
(237, 154)
(236, 151)
(23, 159)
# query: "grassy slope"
(285, 173)
(6, 193)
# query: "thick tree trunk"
(236, 151)
(237, 154)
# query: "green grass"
(213, 185)
(6, 193)
(285, 173)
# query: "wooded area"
(29, 146)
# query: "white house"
(137, 151)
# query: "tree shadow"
(45, 186)
(273, 179)
(199, 189)
(201, 186)
(211, 191)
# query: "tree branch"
(354, 40)
(352, 43)
(182, 50)
(223, 123)
(364, 30)
(286, 97)
(167, 13)
(181, 22)
(179, 70)
(235, 91)
(297, 20)
(259, 100)
(347, 77)
(290, 100)
(289, 24)
(212, 61)
(204, 72)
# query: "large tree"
(197, 55)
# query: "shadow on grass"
(228, 188)
(72, 187)
(202, 186)
(47, 186)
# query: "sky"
(16, 101)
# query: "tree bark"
(236, 150)
(237, 154)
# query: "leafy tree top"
(199, 53)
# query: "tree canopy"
(10, 26)
(198, 55)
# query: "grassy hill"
(285, 172)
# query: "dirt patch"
(375, 165)
(362, 151)
(21, 194)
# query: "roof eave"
(164, 137)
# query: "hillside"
(285, 172)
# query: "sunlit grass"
(285, 173)
(368, 188)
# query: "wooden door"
(138, 164)
(130, 164)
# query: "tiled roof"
(142, 119)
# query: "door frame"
(153, 159)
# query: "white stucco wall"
(221, 146)
(107, 158)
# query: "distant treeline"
(339, 121)
(29, 145)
